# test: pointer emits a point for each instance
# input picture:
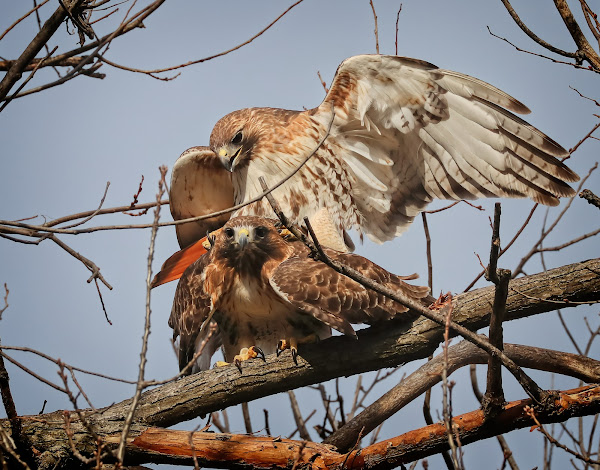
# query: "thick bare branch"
(243, 451)
(459, 355)
(41, 38)
(585, 50)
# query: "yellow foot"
(292, 345)
(248, 353)
(244, 355)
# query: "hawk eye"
(237, 139)
(229, 233)
(260, 231)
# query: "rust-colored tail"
(178, 262)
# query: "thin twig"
(205, 59)
(531, 413)
(142, 367)
(132, 23)
(110, 210)
(446, 311)
(376, 28)
(536, 247)
(70, 367)
(246, 415)
(397, 21)
(35, 8)
(300, 424)
(585, 236)
(89, 264)
(93, 214)
(27, 80)
(6, 292)
(505, 249)
(428, 252)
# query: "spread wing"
(411, 132)
(191, 308)
(200, 185)
(316, 289)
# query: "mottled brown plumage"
(264, 288)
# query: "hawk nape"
(266, 294)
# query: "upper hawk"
(404, 132)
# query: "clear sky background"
(60, 147)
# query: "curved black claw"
(279, 349)
(295, 355)
(238, 364)
(260, 353)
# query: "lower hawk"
(263, 293)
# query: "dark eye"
(237, 139)
(260, 231)
(229, 233)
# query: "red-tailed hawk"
(265, 293)
(403, 133)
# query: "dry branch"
(243, 451)
(18, 66)
(459, 355)
(381, 346)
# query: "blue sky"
(60, 147)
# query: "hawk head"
(233, 137)
(247, 243)
(240, 135)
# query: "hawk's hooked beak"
(243, 237)
(228, 155)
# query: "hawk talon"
(292, 345)
(259, 353)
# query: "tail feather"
(178, 262)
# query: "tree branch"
(243, 451)
(16, 70)
(386, 345)
(459, 355)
